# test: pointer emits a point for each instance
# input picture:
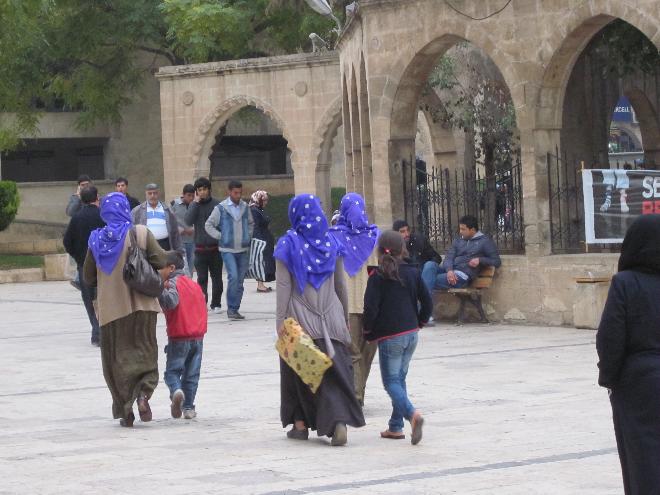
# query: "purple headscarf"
(107, 243)
(306, 248)
(354, 235)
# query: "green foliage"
(336, 193)
(20, 261)
(9, 202)
(278, 209)
(622, 49)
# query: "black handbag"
(138, 273)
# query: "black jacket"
(420, 250)
(197, 214)
(133, 202)
(391, 307)
(82, 224)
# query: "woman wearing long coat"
(129, 352)
(309, 291)
(262, 231)
(628, 343)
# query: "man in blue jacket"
(467, 255)
(231, 224)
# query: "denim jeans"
(394, 355)
(88, 295)
(184, 361)
(190, 257)
(236, 265)
(435, 278)
(210, 262)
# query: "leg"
(243, 264)
(429, 274)
(190, 256)
(190, 378)
(231, 265)
(391, 353)
(202, 265)
(88, 295)
(176, 351)
(215, 267)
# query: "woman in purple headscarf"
(129, 351)
(307, 290)
(356, 240)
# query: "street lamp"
(323, 8)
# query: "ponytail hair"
(391, 248)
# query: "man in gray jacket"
(159, 219)
(231, 224)
(180, 207)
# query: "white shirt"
(156, 221)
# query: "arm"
(430, 254)
(425, 301)
(68, 238)
(372, 297)
(169, 298)
(74, 205)
(89, 269)
(156, 255)
(490, 257)
(134, 214)
(340, 286)
(175, 235)
(284, 289)
(449, 258)
(212, 223)
(250, 222)
(611, 336)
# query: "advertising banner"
(613, 198)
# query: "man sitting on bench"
(469, 253)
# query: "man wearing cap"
(159, 219)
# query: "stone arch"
(365, 137)
(206, 133)
(324, 136)
(443, 144)
(649, 125)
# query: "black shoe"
(235, 315)
(75, 284)
(296, 434)
(127, 422)
(96, 343)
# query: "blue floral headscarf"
(306, 249)
(354, 235)
(107, 243)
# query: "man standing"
(77, 233)
(121, 185)
(466, 256)
(207, 257)
(231, 224)
(75, 204)
(419, 248)
(180, 207)
(159, 219)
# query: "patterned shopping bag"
(298, 350)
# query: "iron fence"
(436, 200)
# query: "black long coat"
(262, 231)
(628, 343)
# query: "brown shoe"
(416, 422)
(144, 409)
(127, 422)
(392, 435)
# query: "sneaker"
(430, 323)
(217, 310)
(189, 414)
(235, 315)
(177, 399)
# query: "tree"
(9, 201)
(92, 56)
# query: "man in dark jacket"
(466, 256)
(419, 248)
(207, 256)
(76, 236)
(121, 185)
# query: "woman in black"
(261, 220)
(628, 343)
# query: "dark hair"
(469, 221)
(89, 194)
(188, 188)
(234, 184)
(202, 182)
(84, 178)
(119, 180)
(399, 224)
(174, 258)
(390, 252)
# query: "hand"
(451, 277)
(197, 198)
(190, 231)
(474, 262)
(280, 331)
(78, 190)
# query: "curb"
(21, 276)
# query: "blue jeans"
(190, 257)
(88, 295)
(435, 278)
(184, 361)
(236, 265)
(394, 355)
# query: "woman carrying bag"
(129, 352)
(309, 292)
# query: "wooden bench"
(473, 292)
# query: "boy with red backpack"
(184, 306)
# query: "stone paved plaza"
(509, 409)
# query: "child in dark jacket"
(396, 305)
(184, 306)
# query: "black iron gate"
(435, 200)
